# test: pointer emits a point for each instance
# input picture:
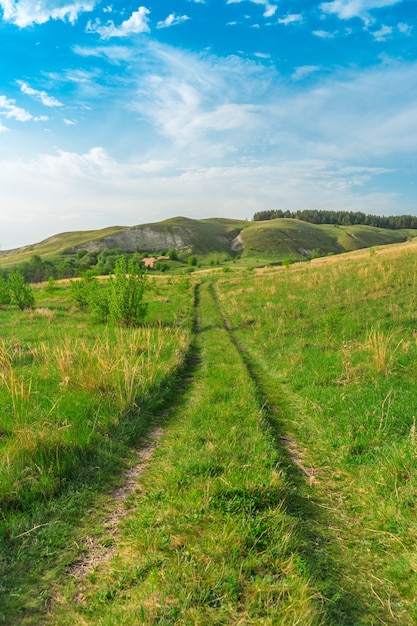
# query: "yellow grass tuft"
(382, 348)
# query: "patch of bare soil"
(95, 552)
(297, 458)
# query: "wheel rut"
(301, 500)
(95, 552)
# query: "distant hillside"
(286, 237)
(179, 233)
(57, 244)
(276, 239)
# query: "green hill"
(56, 245)
(272, 240)
(290, 238)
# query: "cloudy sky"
(119, 113)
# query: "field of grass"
(333, 347)
(283, 490)
(74, 398)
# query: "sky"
(123, 113)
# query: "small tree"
(51, 285)
(192, 260)
(21, 293)
(87, 293)
(126, 290)
(81, 290)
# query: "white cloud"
(137, 23)
(383, 33)
(68, 122)
(347, 9)
(292, 18)
(324, 34)
(42, 96)
(210, 108)
(405, 29)
(195, 99)
(303, 71)
(368, 114)
(25, 13)
(9, 109)
(270, 9)
(113, 54)
(172, 20)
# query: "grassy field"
(333, 347)
(74, 399)
(283, 490)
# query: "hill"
(275, 239)
(292, 238)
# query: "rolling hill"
(276, 239)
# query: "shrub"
(21, 293)
(126, 290)
(50, 287)
(82, 290)
(314, 254)
(160, 266)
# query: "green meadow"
(282, 489)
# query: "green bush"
(51, 285)
(126, 290)
(82, 290)
(21, 293)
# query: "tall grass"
(74, 398)
(48, 431)
(382, 348)
(334, 343)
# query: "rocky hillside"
(181, 234)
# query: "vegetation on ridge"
(341, 218)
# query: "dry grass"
(382, 348)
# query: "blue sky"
(126, 113)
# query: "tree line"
(341, 218)
(37, 270)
